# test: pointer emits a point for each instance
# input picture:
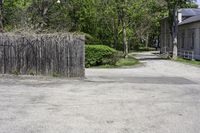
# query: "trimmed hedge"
(99, 55)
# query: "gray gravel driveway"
(159, 97)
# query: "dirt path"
(160, 97)
(153, 67)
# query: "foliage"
(108, 22)
(101, 20)
(99, 55)
(14, 13)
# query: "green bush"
(100, 55)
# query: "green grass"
(122, 63)
(127, 62)
(186, 61)
(143, 49)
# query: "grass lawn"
(192, 62)
(123, 62)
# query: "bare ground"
(159, 97)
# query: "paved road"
(159, 97)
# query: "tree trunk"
(175, 50)
(125, 39)
(147, 41)
(174, 33)
(1, 15)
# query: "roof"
(191, 14)
(191, 20)
(188, 12)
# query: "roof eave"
(188, 22)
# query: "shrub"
(136, 47)
(100, 55)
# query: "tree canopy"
(116, 23)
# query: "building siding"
(188, 39)
(191, 40)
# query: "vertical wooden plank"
(45, 54)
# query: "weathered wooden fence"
(45, 54)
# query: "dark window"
(193, 40)
(183, 40)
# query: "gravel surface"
(159, 97)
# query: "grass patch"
(186, 61)
(127, 62)
(122, 63)
(143, 49)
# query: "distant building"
(188, 34)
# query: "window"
(193, 40)
(183, 40)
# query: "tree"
(1, 15)
(121, 24)
(14, 14)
